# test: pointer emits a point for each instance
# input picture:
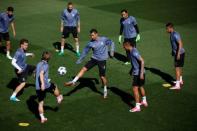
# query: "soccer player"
(22, 69)
(43, 85)
(138, 74)
(70, 23)
(178, 52)
(99, 46)
(7, 19)
(129, 29)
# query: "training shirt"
(99, 48)
(20, 57)
(70, 18)
(174, 38)
(5, 22)
(42, 66)
(128, 24)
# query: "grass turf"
(84, 108)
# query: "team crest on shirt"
(102, 43)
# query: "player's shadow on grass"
(14, 83)
(120, 57)
(85, 82)
(2, 49)
(32, 105)
(126, 97)
(57, 46)
(165, 76)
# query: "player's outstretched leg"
(59, 96)
(17, 90)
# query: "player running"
(22, 69)
(138, 74)
(7, 19)
(70, 23)
(43, 85)
(178, 52)
(129, 29)
(99, 46)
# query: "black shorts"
(67, 30)
(4, 36)
(23, 76)
(131, 40)
(42, 94)
(137, 81)
(101, 66)
(179, 63)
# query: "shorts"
(4, 36)
(137, 81)
(67, 30)
(131, 40)
(101, 66)
(42, 94)
(23, 76)
(180, 62)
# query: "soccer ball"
(62, 70)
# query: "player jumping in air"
(99, 46)
(178, 52)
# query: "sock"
(62, 49)
(181, 78)
(42, 116)
(105, 88)
(13, 94)
(137, 105)
(77, 48)
(8, 52)
(144, 98)
(75, 79)
(177, 84)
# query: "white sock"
(137, 105)
(13, 94)
(42, 116)
(144, 98)
(8, 52)
(77, 48)
(177, 84)
(62, 48)
(105, 88)
(75, 79)
(181, 78)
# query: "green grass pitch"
(84, 108)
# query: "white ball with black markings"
(62, 70)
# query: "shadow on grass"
(2, 49)
(165, 76)
(57, 46)
(85, 82)
(32, 105)
(120, 57)
(125, 97)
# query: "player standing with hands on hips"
(129, 29)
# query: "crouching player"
(138, 76)
(43, 85)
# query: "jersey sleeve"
(17, 55)
(136, 55)
(134, 22)
(177, 37)
(77, 17)
(110, 43)
(85, 51)
(62, 16)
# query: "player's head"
(93, 34)
(46, 55)
(169, 27)
(124, 13)
(69, 6)
(128, 45)
(10, 11)
(24, 44)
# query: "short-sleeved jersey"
(99, 47)
(20, 57)
(42, 66)
(70, 18)
(128, 27)
(5, 22)
(174, 38)
(135, 61)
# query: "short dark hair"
(10, 8)
(70, 3)
(22, 41)
(169, 24)
(128, 43)
(46, 55)
(124, 10)
(93, 31)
